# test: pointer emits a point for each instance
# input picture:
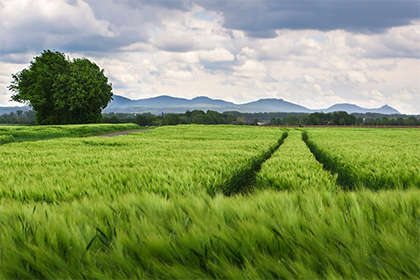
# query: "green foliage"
(194, 117)
(62, 91)
(336, 118)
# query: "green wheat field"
(209, 202)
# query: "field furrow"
(366, 158)
(165, 160)
(178, 203)
(294, 167)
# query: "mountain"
(209, 101)
(388, 110)
(121, 101)
(275, 105)
(168, 104)
(351, 108)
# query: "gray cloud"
(109, 25)
(351, 51)
(259, 18)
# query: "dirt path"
(121, 133)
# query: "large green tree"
(62, 91)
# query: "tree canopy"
(62, 91)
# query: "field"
(230, 202)
(17, 133)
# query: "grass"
(36, 133)
(294, 167)
(6, 138)
(270, 235)
(165, 160)
(174, 203)
(366, 158)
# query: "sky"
(309, 52)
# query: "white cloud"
(167, 47)
(138, 47)
(250, 69)
(47, 23)
(216, 55)
(353, 77)
(247, 53)
(305, 47)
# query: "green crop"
(270, 235)
(209, 202)
(35, 133)
(165, 160)
(294, 167)
(6, 138)
(376, 159)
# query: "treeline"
(189, 117)
(234, 117)
(343, 118)
(335, 118)
(18, 117)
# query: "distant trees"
(336, 118)
(18, 117)
(62, 91)
(213, 117)
(189, 117)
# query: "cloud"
(313, 53)
(259, 18)
(48, 23)
(189, 31)
(250, 69)
(305, 47)
(216, 55)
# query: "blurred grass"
(271, 235)
(159, 205)
(165, 160)
(369, 158)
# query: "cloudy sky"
(310, 52)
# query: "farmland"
(366, 158)
(10, 134)
(213, 202)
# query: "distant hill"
(351, 108)
(275, 105)
(168, 104)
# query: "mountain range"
(168, 104)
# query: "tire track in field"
(345, 179)
(243, 181)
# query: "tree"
(170, 119)
(62, 91)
